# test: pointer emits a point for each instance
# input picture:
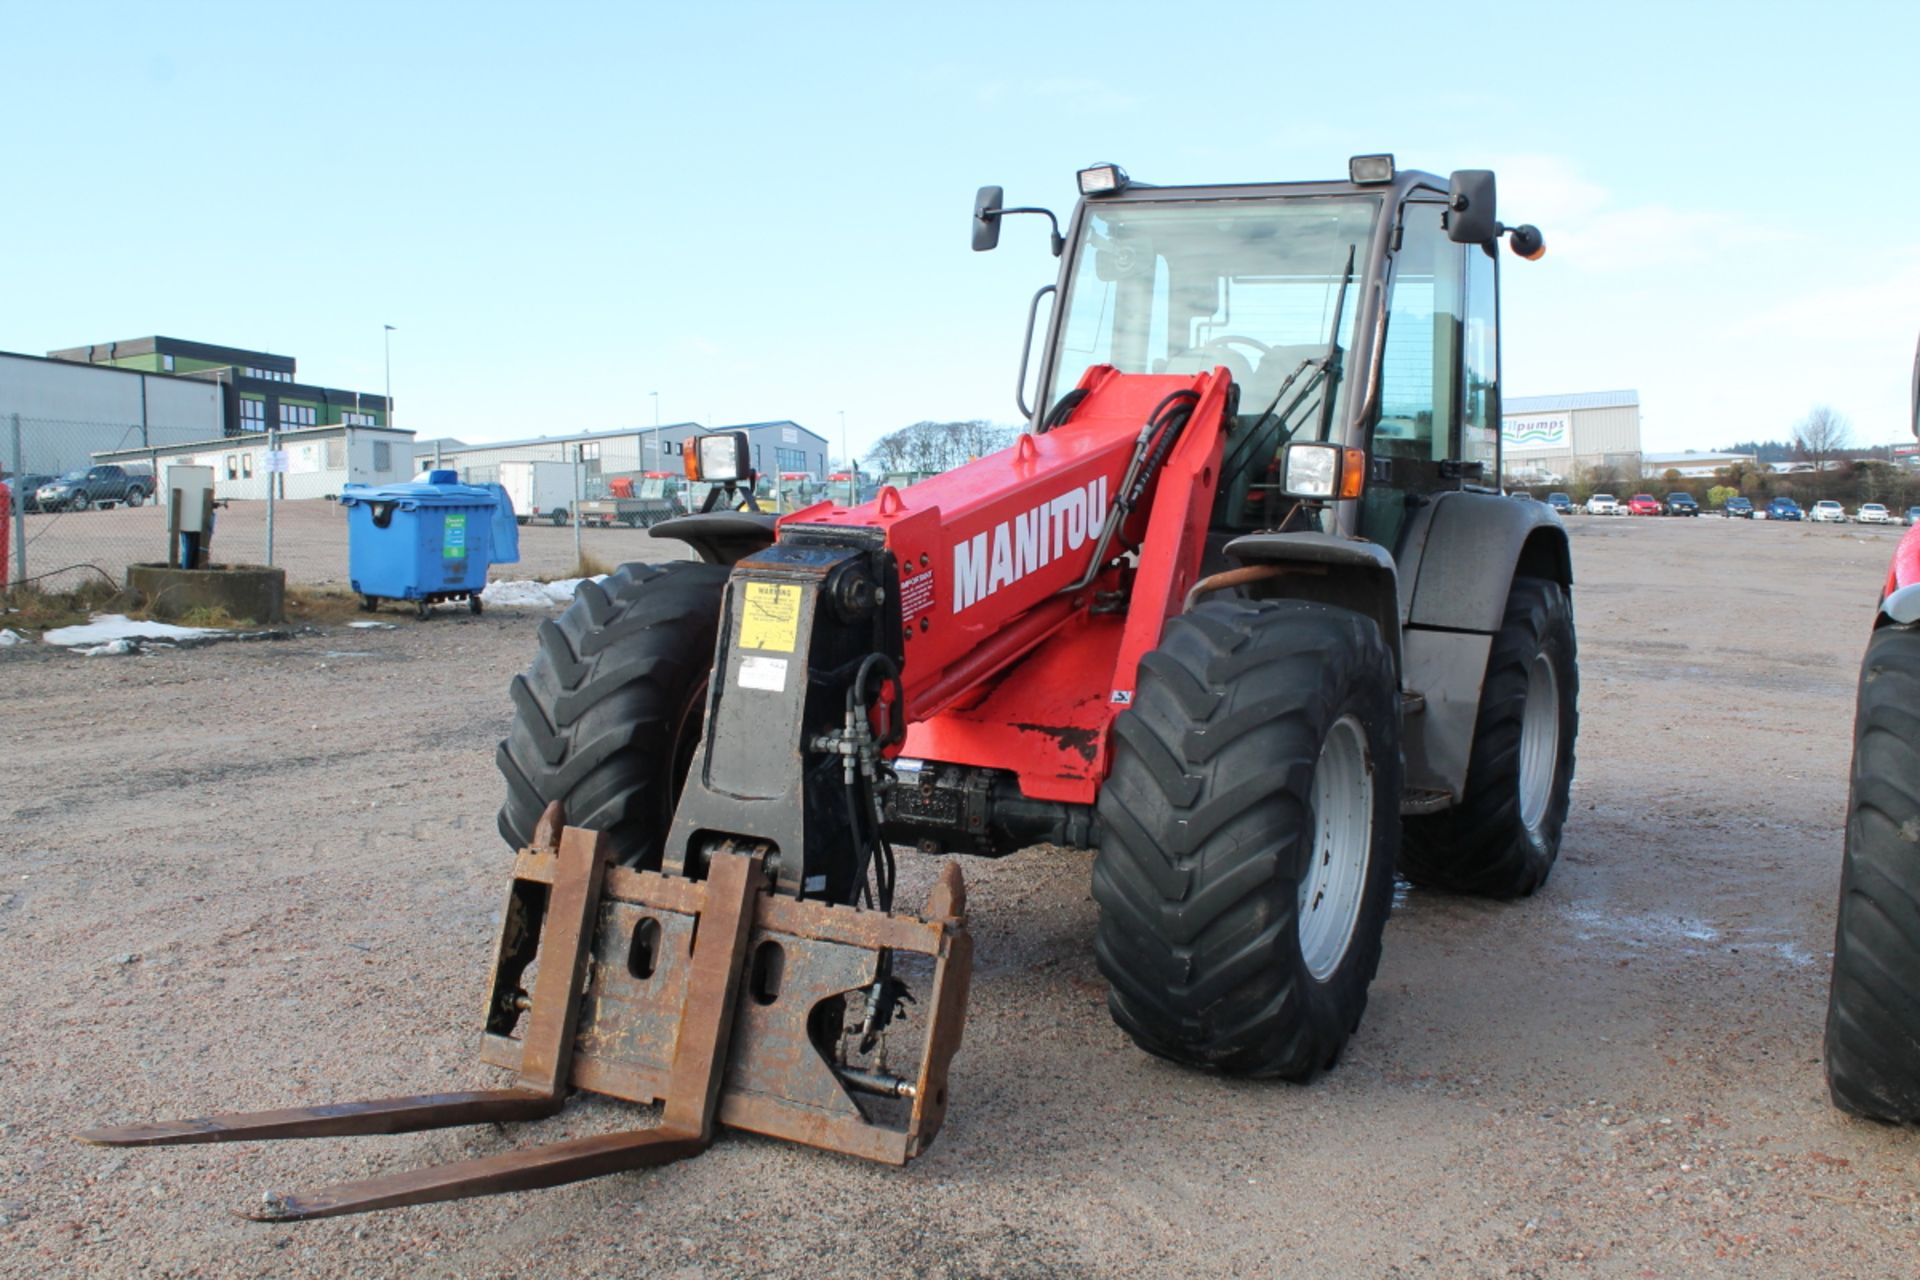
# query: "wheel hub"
(1539, 742)
(1336, 874)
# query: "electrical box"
(189, 500)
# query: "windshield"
(74, 475)
(1252, 285)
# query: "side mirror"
(1527, 241)
(1471, 217)
(986, 218)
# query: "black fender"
(720, 537)
(1357, 574)
(1471, 547)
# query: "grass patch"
(320, 607)
(209, 616)
(589, 566)
(30, 607)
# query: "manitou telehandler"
(1242, 610)
(1873, 1004)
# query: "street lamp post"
(659, 459)
(846, 457)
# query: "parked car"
(1738, 508)
(1603, 504)
(1913, 515)
(1874, 513)
(1827, 511)
(1643, 504)
(26, 490)
(1562, 503)
(1784, 509)
(1682, 504)
(101, 486)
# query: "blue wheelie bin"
(427, 541)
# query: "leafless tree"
(1819, 438)
(937, 446)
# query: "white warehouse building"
(68, 412)
(1554, 439)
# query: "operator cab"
(1362, 313)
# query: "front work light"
(1102, 180)
(1322, 472)
(1370, 170)
(719, 458)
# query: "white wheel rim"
(1336, 875)
(1539, 742)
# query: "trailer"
(540, 490)
(636, 501)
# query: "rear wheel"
(135, 497)
(1873, 1009)
(1502, 838)
(607, 717)
(557, 517)
(1245, 868)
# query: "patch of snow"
(521, 593)
(111, 649)
(372, 626)
(9, 637)
(108, 627)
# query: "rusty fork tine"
(336, 1120)
(528, 1170)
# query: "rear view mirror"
(986, 218)
(1471, 218)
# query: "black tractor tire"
(1491, 843)
(1873, 1007)
(606, 719)
(1209, 827)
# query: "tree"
(1718, 495)
(937, 446)
(1819, 438)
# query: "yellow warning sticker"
(770, 618)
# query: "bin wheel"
(423, 609)
(473, 604)
(368, 604)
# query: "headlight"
(1323, 471)
(719, 458)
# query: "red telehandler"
(1243, 611)
(1873, 1007)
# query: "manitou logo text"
(1014, 548)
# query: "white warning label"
(916, 594)
(769, 674)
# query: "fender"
(720, 537)
(1468, 538)
(1359, 575)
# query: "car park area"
(1617, 1076)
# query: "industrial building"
(259, 390)
(67, 413)
(320, 460)
(1556, 439)
(784, 447)
(1691, 465)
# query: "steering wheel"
(1227, 340)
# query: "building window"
(382, 455)
(166, 364)
(295, 416)
(246, 466)
(791, 459)
(336, 454)
(353, 419)
(269, 375)
(233, 466)
(253, 415)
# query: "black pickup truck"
(101, 486)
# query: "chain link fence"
(89, 499)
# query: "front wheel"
(1245, 867)
(79, 502)
(1873, 1008)
(1501, 840)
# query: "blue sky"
(759, 210)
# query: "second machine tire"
(1245, 868)
(606, 718)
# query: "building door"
(1418, 425)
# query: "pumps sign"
(1536, 432)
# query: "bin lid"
(421, 493)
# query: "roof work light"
(719, 458)
(1366, 171)
(1102, 180)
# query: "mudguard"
(1473, 546)
(720, 537)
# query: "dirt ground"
(309, 542)
(266, 874)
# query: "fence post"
(19, 509)
(266, 467)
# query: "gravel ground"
(264, 874)
(309, 542)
